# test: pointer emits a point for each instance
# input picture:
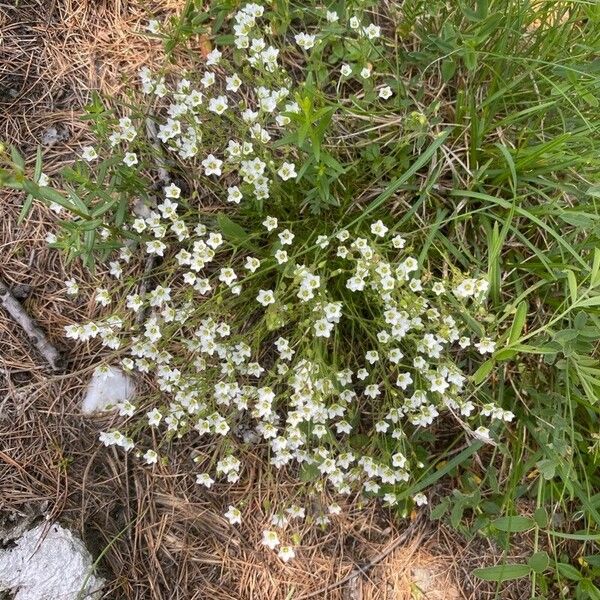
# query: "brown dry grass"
(159, 534)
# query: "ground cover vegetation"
(370, 232)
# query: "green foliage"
(488, 151)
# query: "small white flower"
(485, 346)
(287, 171)
(234, 195)
(213, 57)
(208, 79)
(172, 191)
(265, 297)
(270, 223)
(212, 165)
(44, 180)
(385, 92)
(89, 154)
(346, 70)
(379, 229)
(151, 457)
(332, 16)
(154, 417)
(233, 515)
(354, 23)
(286, 553)
(233, 83)
(281, 256)
(205, 480)
(218, 105)
(130, 159)
(72, 287)
(153, 26)
(252, 263)
(305, 41)
(372, 31)
(365, 73)
(286, 237)
(270, 539)
(420, 499)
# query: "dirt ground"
(156, 533)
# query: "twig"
(405, 535)
(36, 336)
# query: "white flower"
(172, 191)
(233, 83)
(385, 92)
(483, 434)
(287, 171)
(372, 31)
(398, 241)
(233, 515)
(332, 16)
(346, 70)
(89, 154)
(265, 297)
(485, 346)
(156, 247)
(286, 237)
(218, 105)
(286, 553)
(354, 23)
(44, 180)
(305, 41)
(379, 229)
(270, 539)
(403, 380)
(72, 287)
(205, 480)
(130, 159)
(212, 165)
(252, 263)
(281, 256)
(420, 499)
(234, 195)
(270, 223)
(365, 73)
(151, 457)
(153, 26)
(213, 57)
(154, 417)
(208, 79)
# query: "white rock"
(48, 563)
(107, 388)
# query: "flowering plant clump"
(328, 342)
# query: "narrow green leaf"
(518, 323)
(572, 285)
(502, 573)
(483, 371)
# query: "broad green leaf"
(502, 573)
(568, 571)
(539, 561)
(541, 517)
(514, 524)
(232, 231)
